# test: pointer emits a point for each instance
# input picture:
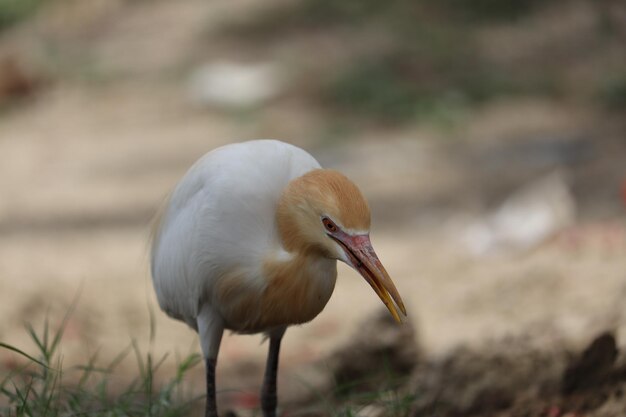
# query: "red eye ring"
(329, 225)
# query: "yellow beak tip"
(395, 315)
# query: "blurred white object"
(233, 85)
(371, 410)
(526, 218)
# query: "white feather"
(222, 216)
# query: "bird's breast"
(291, 292)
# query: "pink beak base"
(363, 258)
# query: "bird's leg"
(211, 403)
(210, 329)
(269, 399)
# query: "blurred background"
(488, 135)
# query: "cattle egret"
(248, 241)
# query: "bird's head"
(325, 213)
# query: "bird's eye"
(329, 225)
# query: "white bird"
(248, 242)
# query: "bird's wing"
(221, 216)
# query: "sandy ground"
(85, 166)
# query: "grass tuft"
(42, 387)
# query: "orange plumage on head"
(321, 191)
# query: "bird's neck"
(298, 285)
(303, 267)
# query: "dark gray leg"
(211, 404)
(210, 329)
(269, 399)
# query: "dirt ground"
(87, 161)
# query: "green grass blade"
(52, 390)
(46, 339)
(152, 324)
(66, 318)
(186, 364)
(88, 369)
(119, 358)
(26, 355)
(38, 341)
(23, 408)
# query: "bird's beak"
(361, 256)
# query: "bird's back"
(221, 217)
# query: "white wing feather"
(221, 216)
